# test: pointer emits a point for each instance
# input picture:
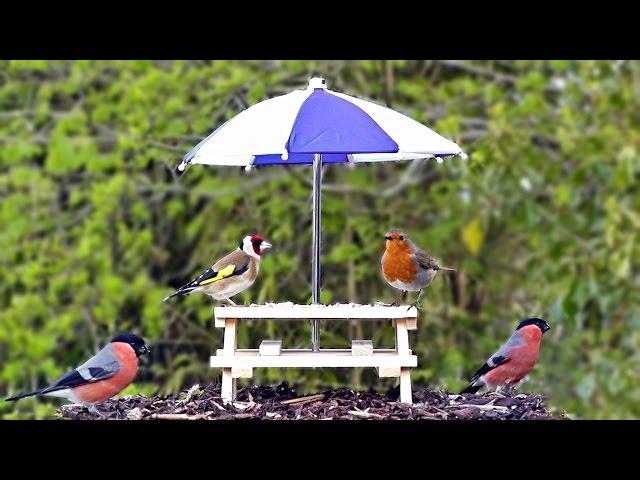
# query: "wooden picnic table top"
(291, 311)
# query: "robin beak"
(388, 238)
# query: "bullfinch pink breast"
(522, 359)
(514, 360)
(101, 377)
(98, 392)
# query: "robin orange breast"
(407, 267)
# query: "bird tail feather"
(23, 395)
(182, 292)
(472, 388)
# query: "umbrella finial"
(180, 168)
(317, 82)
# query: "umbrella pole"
(315, 246)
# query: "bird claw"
(508, 391)
(93, 409)
(494, 395)
(396, 302)
(416, 305)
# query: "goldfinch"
(230, 275)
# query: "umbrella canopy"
(291, 128)
(317, 126)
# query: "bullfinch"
(230, 275)
(514, 360)
(101, 377)
(407, 267)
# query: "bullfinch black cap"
(538, 322)
(136, 342)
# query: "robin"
(230, 275)
(407, 267)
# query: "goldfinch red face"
(254, 245)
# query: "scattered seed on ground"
(281, 402)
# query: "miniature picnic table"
(389, 362)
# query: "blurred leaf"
(473, 236)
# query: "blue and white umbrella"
(317, 126)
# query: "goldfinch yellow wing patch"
(224, 273)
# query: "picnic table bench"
(389, 362)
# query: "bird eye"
(401, 237)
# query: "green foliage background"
(542, 219)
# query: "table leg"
(402, 347)
(405, 385)
(228, 391)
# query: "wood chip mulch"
(280, 402)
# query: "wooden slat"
(312, 360)
(288, 311)
(388, 371)
(242, 372)
(270, 347)
(305, 351)
(362, 347)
